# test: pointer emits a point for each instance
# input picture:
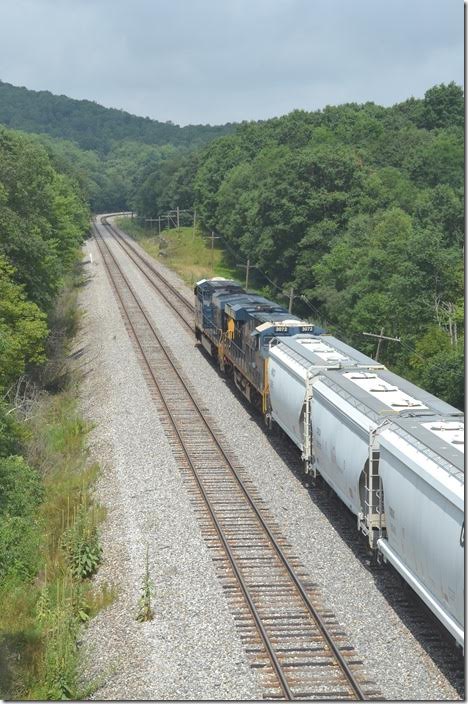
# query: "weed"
(43, 605)
(81, 543)
(186, 251)
(145, 611)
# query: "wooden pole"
(378, 345)
(381, 337)
(291, 298)
(247, 269)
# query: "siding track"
(294, 642)
(177, 301)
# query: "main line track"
(294, 642)
(176, 300)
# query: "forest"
(44, 218)
(104, 148)
(91, 126)
(358, 208)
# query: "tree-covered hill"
(359, 208)
(43, 220)
(92, 126)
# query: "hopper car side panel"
(287, 393)
(424, 536)
(341, 445)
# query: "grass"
(40, 619)
(186, 251)
(190, 255)
(45, 590)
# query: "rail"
(303, 650)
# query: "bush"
(20, 534)
(22, 490)
(19, 547)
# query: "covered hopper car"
(392, 452)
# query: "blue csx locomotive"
(236, 327)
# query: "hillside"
(92, 126)
(358, 208)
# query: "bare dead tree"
(446, 318)
(23, 397)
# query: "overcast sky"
(216, 61)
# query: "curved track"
(296, 644)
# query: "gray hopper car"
(392, 452)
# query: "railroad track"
(294, 642)
(177, 301)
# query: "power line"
(380, 338)
(337, 328)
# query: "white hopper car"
(391, 451)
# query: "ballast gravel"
(396, 655)
(191, 649)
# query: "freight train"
(392, 452)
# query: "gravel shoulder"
(191, 650)
(147, 505)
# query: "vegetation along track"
(296, 644)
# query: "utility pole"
(247, 269)
(194, 221)
(213, 238)
(291, 298)
(380, 338)
(159, 226)
(178, 220)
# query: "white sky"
(216, 61)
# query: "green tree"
(444, 106)
(23, 328)
(359, 207)
(42, 217)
